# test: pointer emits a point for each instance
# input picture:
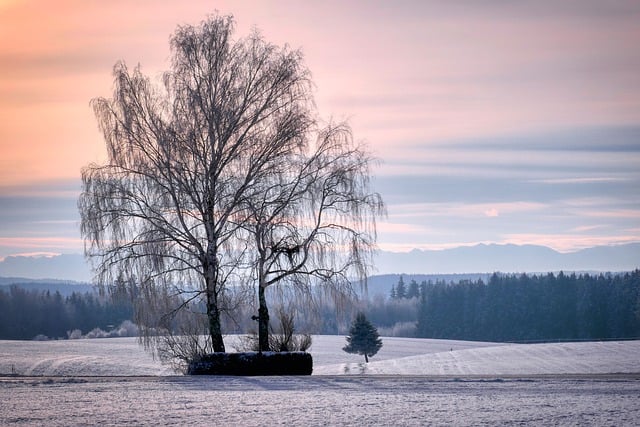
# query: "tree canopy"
(214, 178)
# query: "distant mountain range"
(509, 259)
(471, 259)
(63, 267)
(65, 287)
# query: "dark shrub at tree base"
(253, 364)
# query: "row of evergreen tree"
(28, 313)
(507, 308)
(403, 291)
(532, 308)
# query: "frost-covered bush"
(96, 333)
(126, 329)
(41, 337)
(400, 329)
(76, 334)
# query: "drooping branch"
(314, 219)
(183, 159)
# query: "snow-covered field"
(469, 359)
(398, 356)
(409, 382)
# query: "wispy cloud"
(618, 213)
(582, 180)
(584, 228)
(47, 244)
(462, 210)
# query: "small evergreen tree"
(363, 338)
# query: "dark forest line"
(533, 308)
(516, 308)
(39, 313)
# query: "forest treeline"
(34, 313)
(529, 308)
(520, 308)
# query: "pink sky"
(532, 94)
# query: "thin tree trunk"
(215, 330)
(263, 321)
(366, 359)
(213, 313)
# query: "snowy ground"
(495, 359)
(398, 356)
(409, 382)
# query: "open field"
(410, 382)
(398, 356)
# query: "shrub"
(281, 339)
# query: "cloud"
(493, 212)
(585, 228)
(400, 228)
(40, 218)
(618, 213)
(39, 246)
(464, 210)
(582, 180)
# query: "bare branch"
(167, 209)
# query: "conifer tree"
(414, 290)
(401, 289)
(363, 338)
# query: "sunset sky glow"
(495, 122)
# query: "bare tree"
(184, 157)
(314, 220)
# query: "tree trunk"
(263, 321)
(213, 312)
(366, 359)
(215, 330)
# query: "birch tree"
(184, 157)
(314, 220)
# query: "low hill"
(576, 358)
(398, 356)
(64, 287)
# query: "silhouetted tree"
(165, 208)
(314, 220)
(203, 170)
(363, 338)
